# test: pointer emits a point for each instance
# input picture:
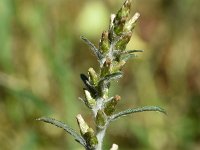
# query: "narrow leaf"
(112, 76)
(93, 48)
(85, 102)
(127, 57)
(104, 82)
(62, 125)
(84, 78)
(131, 51)
(136, 110)
(88, 85)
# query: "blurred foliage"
(41, 57)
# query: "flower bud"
(93, 77)
(106, 67)
(124, 10)
(90, 138)
(100, 118)
(87, 132)
(112, 17)
(118, 66)
(104, 44)
(119, 26)
(82, 124)
(129, 26)
(123, 41)
(90, 102)
(121, 17)
(110, 106)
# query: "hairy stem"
(100, 137)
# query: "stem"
(100, 137)
(100, 131)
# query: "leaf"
(136, 110)
(93, 48)
(113, 76)
(88, 85)
(85, 102)
(84, 78)
(104, 83)
(131, 51)
(127, 57)
(69, 130)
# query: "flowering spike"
(111, 56)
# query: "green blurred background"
(41, 57)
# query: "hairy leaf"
(128, 56)
(136, 110)
(93, 48)
(131, 51)
(104, 82)
(113, 76)
(62, 125)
